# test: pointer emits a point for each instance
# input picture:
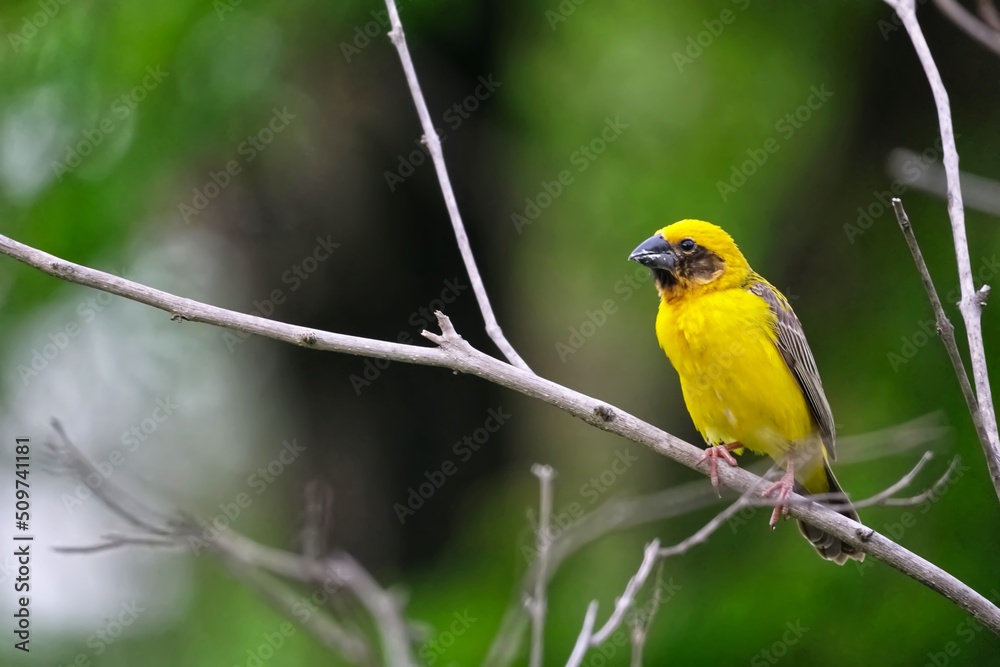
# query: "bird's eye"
(687, 245)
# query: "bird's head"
(692, 255)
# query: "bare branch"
(991, 448)
(382, 605)
(980, 193)
(623, 513)
(972, 301)
(929, 493)
(246, 558)
(705, 531)
(902, 483)
(583, 641)
(613, 515)
(433, 144)
(455, 353)
(923, 431)
(74, 460)
(537, 604)
(117, 540)
(989, 14)
(286, 600)
(970, 25)
(641, 628)
(652, 553)
(627, 599)
(187, 310)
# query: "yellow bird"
(747, 374)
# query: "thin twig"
(455, 353)
(979, 192)
(74, 459)
(970, 25)
(620, 514)
(543, 542)
(929, 493)
(118, 540)
(989, 14)
(583, 641)
(247, 557)
(902, 483)
(652, 553)
(627, 599)
(433, 143)
(383, 607)
(613, 515)
(972, 302)
(286, 600)
(641, 629)
(947, 334)
(705, 531)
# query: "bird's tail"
(829, 546)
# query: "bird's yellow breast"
(736, 385)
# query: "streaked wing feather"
(799, 359)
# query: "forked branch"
(972, 302)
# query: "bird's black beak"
(655, 253)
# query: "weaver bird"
(747, 374)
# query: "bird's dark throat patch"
(700, 266)
(664, 279)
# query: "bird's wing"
(799, 359)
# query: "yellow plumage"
(746, 372)
(736, 386)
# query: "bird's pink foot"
(783, 488)
(713, 454)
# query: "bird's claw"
(712, 455)
(783, 487)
